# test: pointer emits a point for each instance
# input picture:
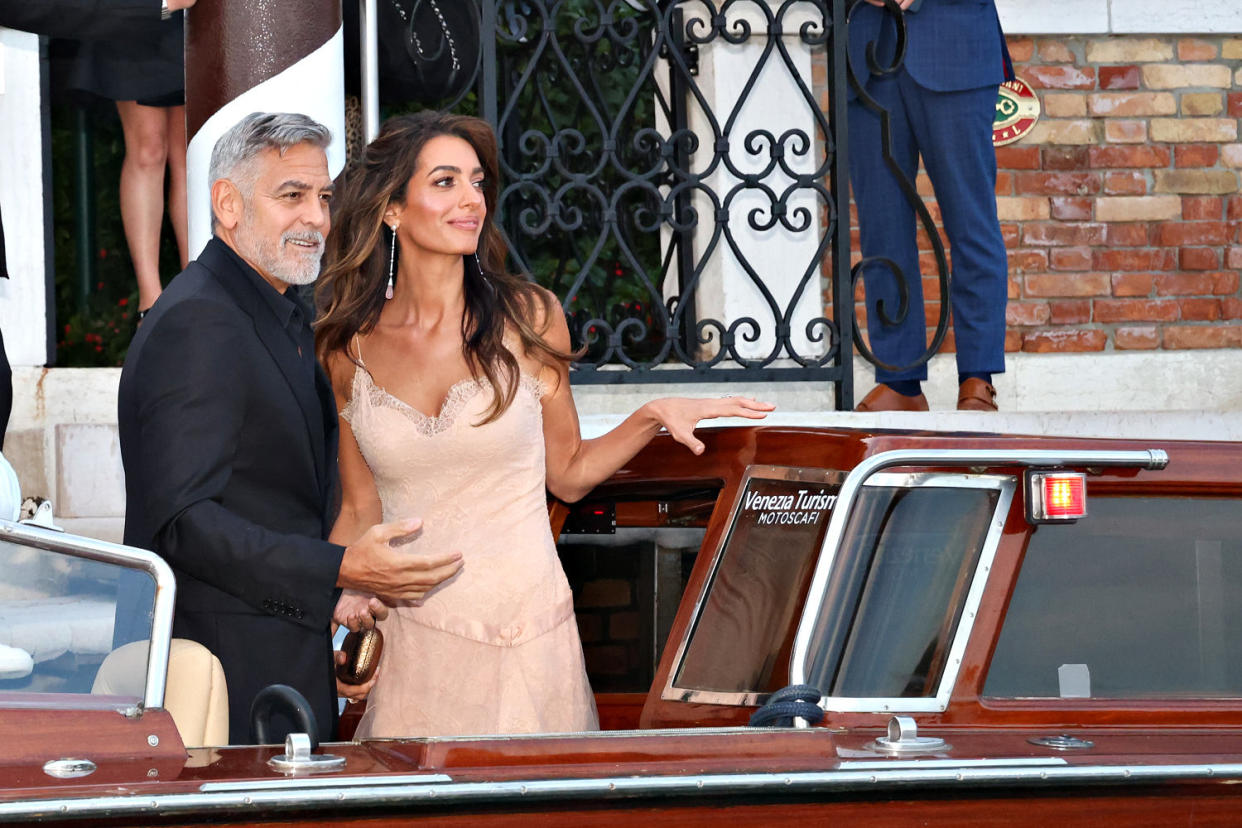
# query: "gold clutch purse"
(362, 655)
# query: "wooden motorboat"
(988, 629)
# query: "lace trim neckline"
(459, 393)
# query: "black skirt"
(149, 70)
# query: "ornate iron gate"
(675, 171)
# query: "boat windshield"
(889, 627)
(59, 615)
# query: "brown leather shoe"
(883, 398)
(976, 395)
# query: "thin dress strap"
(355, 386)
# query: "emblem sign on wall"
(1017, 110)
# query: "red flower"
(123, 301)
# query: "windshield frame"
(126, 557)
(1005, 486)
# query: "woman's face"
(444, 209)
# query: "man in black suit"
(228, 433)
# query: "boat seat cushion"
(195, 695)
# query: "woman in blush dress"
(452, 381)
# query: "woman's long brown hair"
(350, 293)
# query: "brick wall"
(1121, 210)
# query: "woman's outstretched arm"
(575, 466)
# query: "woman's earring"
(478, 264)
(392, 262)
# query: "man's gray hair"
(236, 150)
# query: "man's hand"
(374, 565)
(904, 4)
(356, 611)
(178, 5)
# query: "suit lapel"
(226, 266)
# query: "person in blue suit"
(940, 104)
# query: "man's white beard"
(298, 269)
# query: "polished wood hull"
(670, 760)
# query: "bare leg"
(142, 192)
(177, 182)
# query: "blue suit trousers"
(952, 131)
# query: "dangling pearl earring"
(392, 262)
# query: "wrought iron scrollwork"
(642, 192)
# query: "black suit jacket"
(229, 444)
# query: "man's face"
(285, 217)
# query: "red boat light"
(1055, 497)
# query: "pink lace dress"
(495, 649)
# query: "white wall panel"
(1176, 16)
(23, 317)
(1120, 16)
(1053, 16)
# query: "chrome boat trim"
(328, 782)
(131, 558)
(942, 777)
(1151, 459)
(898, 764)
(1005, 486)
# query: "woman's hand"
(680, 415)
(358, 611)
(353, 693)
